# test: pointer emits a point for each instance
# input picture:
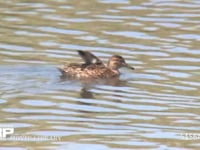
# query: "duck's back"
(93, 71)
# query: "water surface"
(152, 107)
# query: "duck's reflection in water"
(88, 85)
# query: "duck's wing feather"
(89, 58)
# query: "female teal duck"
(94, 68)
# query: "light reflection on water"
(143, 109)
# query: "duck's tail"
(61, 69)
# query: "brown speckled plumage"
(93, 68)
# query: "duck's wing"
(89, 58)
(70, 69)
(98, 72)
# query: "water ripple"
(158, 101)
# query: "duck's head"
(117, 62)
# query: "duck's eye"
(122, 61)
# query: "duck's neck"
(114, 68)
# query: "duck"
(93, 67)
